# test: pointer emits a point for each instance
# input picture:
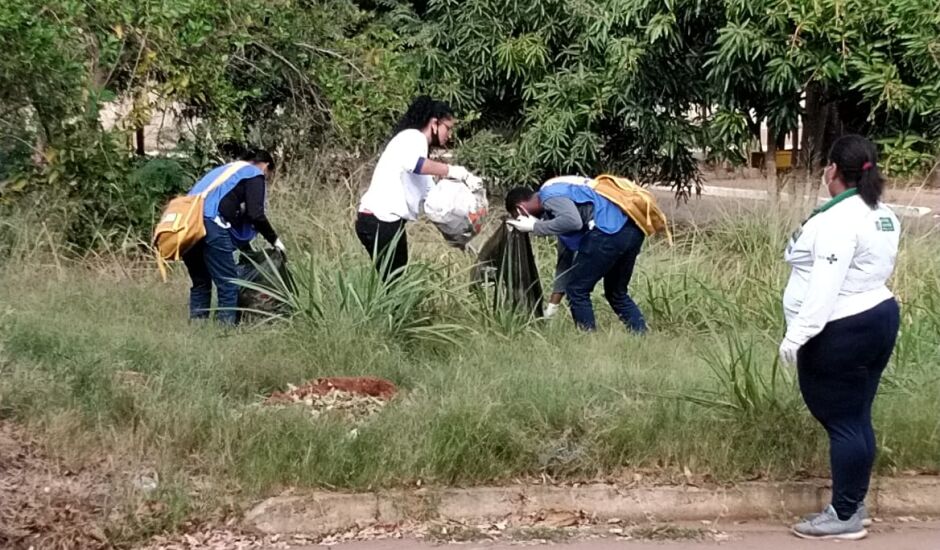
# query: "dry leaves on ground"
(352, 398)
(43, 505)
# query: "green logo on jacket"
(884, 224)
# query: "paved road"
(705, 209)
(906, 536)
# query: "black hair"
(857, 160)
(421, 110)
(517, 196)
(259, 155)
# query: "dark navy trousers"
(839, 371)
(612, 258)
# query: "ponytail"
(422, 110)
(871, 185)
(856, 158)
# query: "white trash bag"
(458, 212)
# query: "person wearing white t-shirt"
(402, 178)
(842, 324)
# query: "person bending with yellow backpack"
(233, 211)
(604, 221)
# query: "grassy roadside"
(487, 397)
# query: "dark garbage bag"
(266, 268)
(506, 259)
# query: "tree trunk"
(43, 136)
(815, 118)
(139, 137)
(770, 163)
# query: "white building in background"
(161, 135)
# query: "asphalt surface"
(883, 536)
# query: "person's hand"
(458, 173)
(524, 223)
(279, 246)
(550, 310)
(788, 352)
(474, 183)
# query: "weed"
(488, 396)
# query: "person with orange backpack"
(233, 214)
(604, 221)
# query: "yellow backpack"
(637, 202)
(181, 224)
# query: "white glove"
(550, 310)
(788, 351)
(474, 183)
(524, 223)
(279, 245)
(458, 173)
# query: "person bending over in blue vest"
(606, 240)
(234, 213)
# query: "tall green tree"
(844, 65)
(638, 86)
(578, 85)
(286, 74)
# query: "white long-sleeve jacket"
(841, 260)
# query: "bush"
(150, 185)
(489, 156)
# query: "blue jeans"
(608, 257)
(563, 268)
(840, 369)
(212, 260)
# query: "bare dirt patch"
(44, 504)
(354, 398)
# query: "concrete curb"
(321, 513)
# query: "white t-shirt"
(841, 259)
(396, 191)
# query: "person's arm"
(428, 167)
(565, 217)
(412, 148)
(833, 252)
(254, 208)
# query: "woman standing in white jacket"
(842, 323)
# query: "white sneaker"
(862, 511)
(827, 526)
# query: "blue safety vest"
(210, 210)
(608, 217)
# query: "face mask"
(825, 180)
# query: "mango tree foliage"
(286, 74)
(856, 65)
(579, 86)
(636, 85)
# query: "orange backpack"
(181, 224)
(636, 202)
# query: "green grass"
(486, 397)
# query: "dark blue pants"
(839, 373)
(612, 258)
(210, 261)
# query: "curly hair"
(421, 110)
